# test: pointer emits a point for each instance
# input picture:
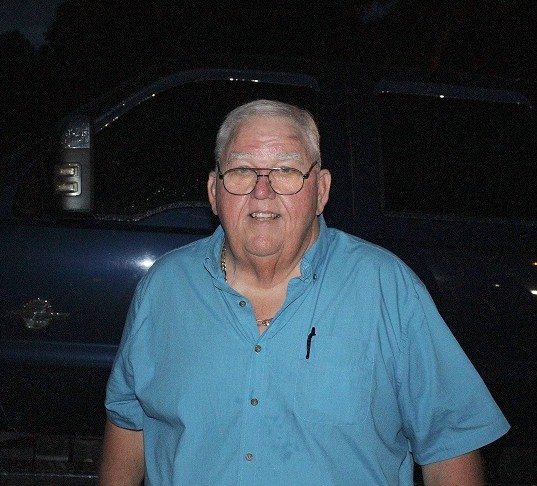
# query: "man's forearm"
(465, 470)
(122, 461)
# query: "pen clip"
(308, 342)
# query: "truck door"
(68, 277)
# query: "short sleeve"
(447, 409)
(122, 406)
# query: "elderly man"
(281, 352)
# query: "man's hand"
(465, 470)
(122, 462)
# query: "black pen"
(308, 342)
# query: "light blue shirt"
(379, 383)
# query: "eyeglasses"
(283, 180)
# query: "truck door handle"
(36, 314)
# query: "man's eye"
(286, 170)
(242, 171)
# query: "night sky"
(29, 17)
(509, 25)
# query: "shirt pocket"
(334, 385)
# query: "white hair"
(301, 119)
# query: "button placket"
(254, 401)
(252, 422)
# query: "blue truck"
(440, 168)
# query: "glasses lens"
(240, 181)
(286, 181)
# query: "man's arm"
(122, 461)
(465, 470)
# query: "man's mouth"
(264, 216)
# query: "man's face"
(263, 223)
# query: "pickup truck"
(439, 168)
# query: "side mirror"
(73, 176)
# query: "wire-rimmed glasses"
(285, 181)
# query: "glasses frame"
(267, 175)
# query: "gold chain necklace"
(223, 260)
(223, 267)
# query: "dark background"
(91, 46)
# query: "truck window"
(158, 154)
(465, 158)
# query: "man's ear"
(211, 190)
(323, 190)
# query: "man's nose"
(262, 187)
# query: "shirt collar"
(311, 265)
(214, 250)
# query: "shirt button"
(315, 276)
(257, 348)
(242, 303)
(249, 456)
(254, 401)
